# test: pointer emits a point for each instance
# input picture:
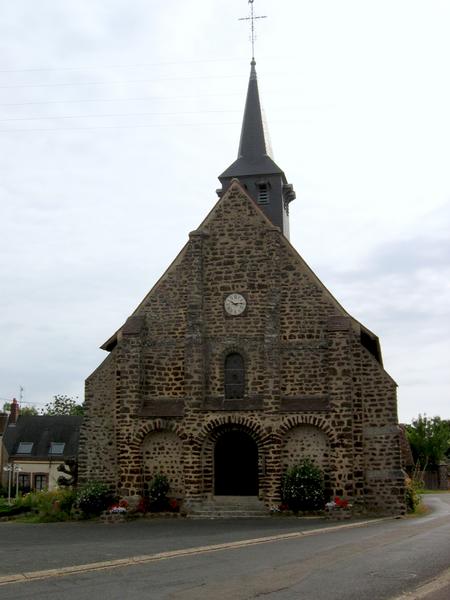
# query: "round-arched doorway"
(235, 464)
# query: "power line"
(130, 66)
(140, 126)
(87, 83)
(165, 98)
(145, 114)
(118, 127)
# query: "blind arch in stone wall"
(306, 441)
(162, 454)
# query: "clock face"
(235, 304)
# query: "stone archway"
(235, 464)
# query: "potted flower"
(338, 508)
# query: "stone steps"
(229, 507)
(228, 514)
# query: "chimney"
(14, 412)
(3, 421)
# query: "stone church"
(239, 363)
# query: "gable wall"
(297, 365)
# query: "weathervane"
(252, 18)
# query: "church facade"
(239, 363)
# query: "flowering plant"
(93, 498)
(302, 487)
(117, 509)
(174, 505)
(338, 503)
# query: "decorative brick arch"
(326, 453)
(239, 349)
(159, 444)
(297, 420)
(155, 425)
(218, 426)
(212, 429)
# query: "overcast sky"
(117, 117)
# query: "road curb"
(428, 590)
(148, 558)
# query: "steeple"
(255, 168)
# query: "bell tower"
(255, 168)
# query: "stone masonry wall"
(306, 441)
(98, 452)
(384, 477)
(163, 454)
(309, 384)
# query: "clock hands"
(235, 304)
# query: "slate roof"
(254, 155)
(42, 431)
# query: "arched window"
(234, 376)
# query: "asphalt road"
(301, 560)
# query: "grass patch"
(421, 511)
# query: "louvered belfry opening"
(234, 376)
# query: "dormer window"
(25, 448)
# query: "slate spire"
(254, 166)
(253, 143)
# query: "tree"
(69, 468)
(429, 439)
(63, 405)
(26, 411)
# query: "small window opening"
(25, 448)
(234, 376)
(371, 345)
(263, 193)
(56, 448)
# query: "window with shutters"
(263, 193)
(234, 376)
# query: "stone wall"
(162, 454)
(310, 386)
(306, 441)
(98, 451)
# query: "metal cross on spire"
(252, 19)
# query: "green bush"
(48, 506)
(13, 510)
(67, 499)
(93, 498)
(302, 487)
(412, 494)
(158, 490)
